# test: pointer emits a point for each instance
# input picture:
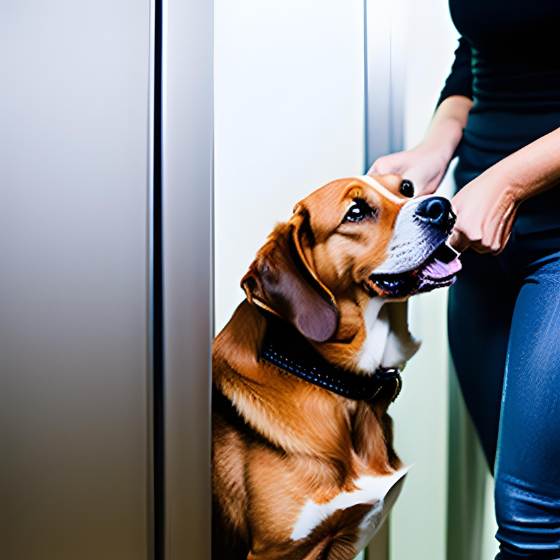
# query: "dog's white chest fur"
(377, 325)
(388, 341)
(378, 491)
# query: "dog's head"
(351, 240)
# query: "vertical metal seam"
(392, 139)
(392, 130)
(157, 331)
(211, 264)
(212, 305)
(366, 90)
(150, 521)
(396, 85)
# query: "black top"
(509, 54)
(508, 62)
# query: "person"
(499, 112)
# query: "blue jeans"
(504, 332)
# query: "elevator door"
(74, 184)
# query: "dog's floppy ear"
(281, 281)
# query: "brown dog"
(303, 373)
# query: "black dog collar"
(284, 347)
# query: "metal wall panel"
(74, 410)
(384, 90)
(187, 260)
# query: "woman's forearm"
(530, 170)
(426, 164)
(446, 129)
(486, 207)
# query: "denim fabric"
(504, 330)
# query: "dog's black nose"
(437, 211)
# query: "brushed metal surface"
(384, 125)
(384, 78)
(73, 284)
(187, 237)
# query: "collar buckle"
(385, 376)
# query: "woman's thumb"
(458, 241)
(385, 164)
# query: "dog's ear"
(282, 281)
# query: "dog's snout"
(436, 210)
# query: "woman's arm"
(446, 129)
(425, 165)
(486, 207)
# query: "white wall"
(288, 118)
(418, 522)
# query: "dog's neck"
(373, 333)
(313, 421)
(286, 348)
(388, 341)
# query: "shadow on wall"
(471, 522)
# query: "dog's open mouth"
(437, 271)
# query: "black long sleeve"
(459, 81)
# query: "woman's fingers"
(424, 167)
(392, 163)
(483, 233)
(505, 231)
(468, 232)
(498, 224)
(459, 241)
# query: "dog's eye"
(359, 211)
(407, 188)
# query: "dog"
(302, 460)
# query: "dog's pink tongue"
(439, 269)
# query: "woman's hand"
(426, 164)
(486, 209)
(425, 167)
